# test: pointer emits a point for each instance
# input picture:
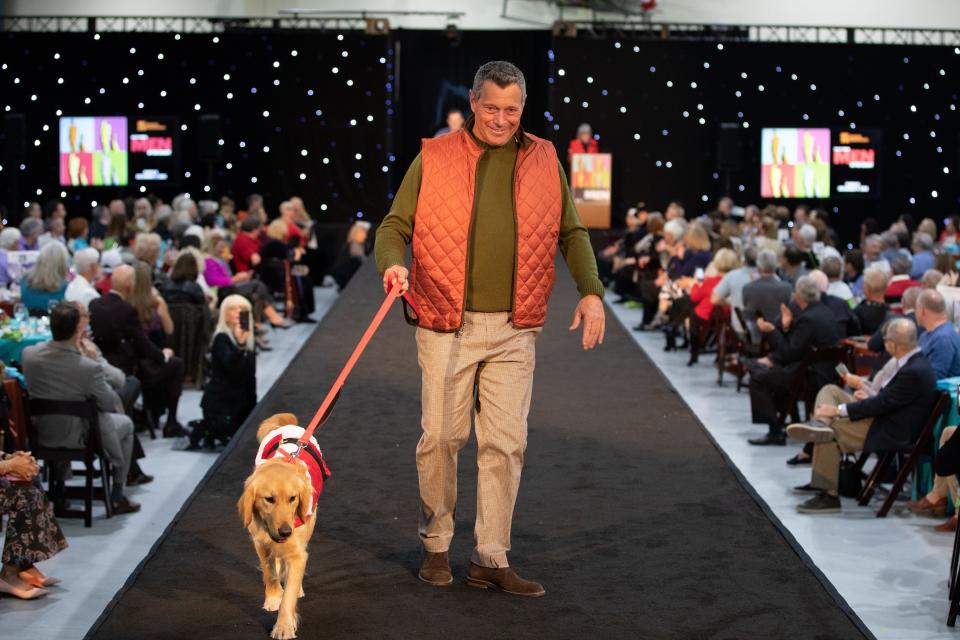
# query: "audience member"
(847, 322)
(872, 254)
(151, 307)
(57, 370)
(764, 297)
(847, 424)
(246, 246)
(939, 342)
(833, 267)
(86, 267)
(9, 241)
(30, 230)
(873, 310)
(900, 280)
(772, 376)
(922, 254)
(730, 288)
(183, 287)
(793, 265)
(46, 281)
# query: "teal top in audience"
(35, 300)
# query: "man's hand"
(786, 317)
(853, 381)
(765, 326)
(167, 354)
(826, 411)
(590, 311)
(861, 394)
(765, 361)
(399, 272)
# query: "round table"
(12, 350)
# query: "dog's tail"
(275, 421)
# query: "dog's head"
(274, 495)
(275, 421)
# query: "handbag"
(850, 481)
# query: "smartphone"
(842, 370)
(698, 274)
(245, 320)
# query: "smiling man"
(485, 209)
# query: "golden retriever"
(275, 495)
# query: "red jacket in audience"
(700, 295)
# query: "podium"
(590, 181)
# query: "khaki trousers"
(849, 437)
(500, 359)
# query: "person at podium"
(583, 143)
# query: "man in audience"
(847, 323)
(86, 266)
(793, 264)
(872, 312)
(30, 230)
(803, 238)
(833, 267)
(730, 288)
(246, 246)
(939, 342)
(763, 297)
(886, 420)
(771, 376)
(908, 310)
(121, 338)
(931, 278)
(853, 271)
(872, 253)
(922, 254)
(56, 370)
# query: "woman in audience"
(183, 287)
(151, 307)
(700, 300)
(116, 231)
(46, 282)
(143, 215)
(944, 488)
(9, 241)
(853, 266)
(231, 393)
(77, 231)
(687, 257)
(33, 534)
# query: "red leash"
(326, 408)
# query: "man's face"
(497, 111)
(872, 250)
(585, 137)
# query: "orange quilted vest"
(438, 273)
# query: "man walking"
(490, 205)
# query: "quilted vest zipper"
(466, 266)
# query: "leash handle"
(323, 412)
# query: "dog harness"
(283, 443)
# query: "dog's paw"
(272, 603)
(284, 629)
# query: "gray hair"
(30, 227)
(900, 265)
(808, 232)
(767, 262)
(902, 332)
(923, 240)
(84, 259)
(932, 300)
(501, 73)
(832, 266)
(876, 280)
(808, 289)
(585, 128)
(931, 277)
(10, 238)
(50, 271)
(890, 239)
(675, 228)
(873, 237)
(909, 299)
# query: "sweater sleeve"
(396, 230)
(575, 244)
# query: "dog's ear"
(246, 502)
(273, 422)
(306, 499)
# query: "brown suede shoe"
(435, 569)
(503, 579)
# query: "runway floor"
(627, 513)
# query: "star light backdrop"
(300, 113)
(658, 106)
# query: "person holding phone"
(231, 393)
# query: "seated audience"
(847, 323)
(872, 312)
(701, 299)
(922, 254)
(150, 305)
(939, 340)
(246, 246)
(900, 281)
(30, 230)
(889, 418)
(33, 534)
(118, 332)
(354, 254)
(793, 265)
(86, 267)
(57, 370)
(832, 266)
(908, 310)
(729, 290)
(117, 232)
(772, 376)
(872, 254)
(77, 231)
(231, 393)
(46, 282)
(764, 297)
(9, 241)
(183, 287)
(853, 271)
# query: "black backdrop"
(230, 74)
(846, 79)
(406, 80)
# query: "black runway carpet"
(627, 513)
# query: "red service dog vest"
(284, 439)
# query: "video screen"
(155, 149)
(795, 163)
(855, 159)
(93, 151)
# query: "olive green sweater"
(493, 240)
